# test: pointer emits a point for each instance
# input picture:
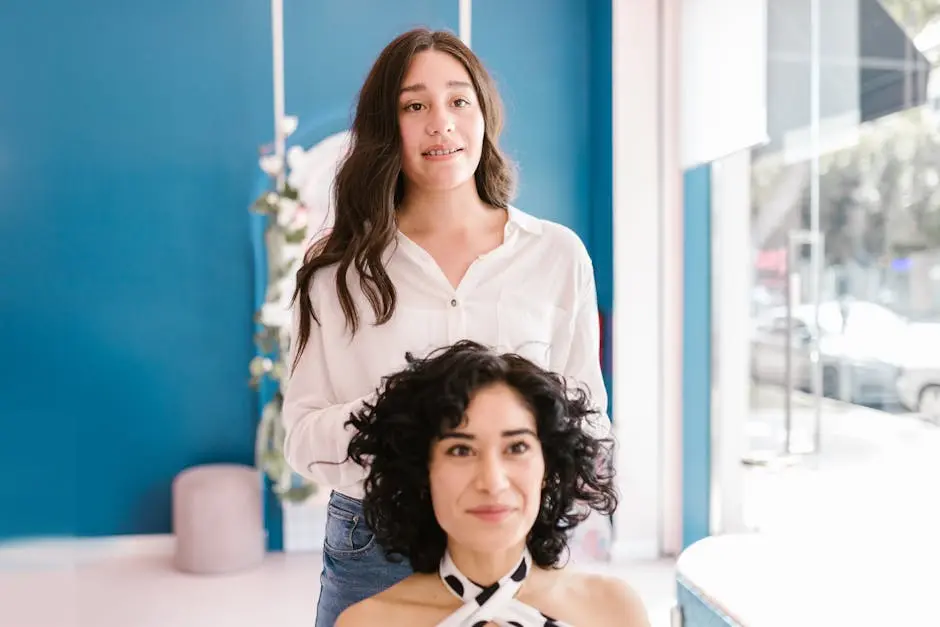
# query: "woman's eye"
(518, 448)
(414, 106)
(459, 450)
(462, 102)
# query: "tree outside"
(879, 196)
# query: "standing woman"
(425, 250)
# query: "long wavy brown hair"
(369, 185)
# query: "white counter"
(775, 581)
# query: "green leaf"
(296, 236)
(263, 205)
(290, 192)
(299, 494)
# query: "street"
(875, 470)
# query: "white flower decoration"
(288, 125)
(271, 164)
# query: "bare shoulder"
(616, 603)
(365, 612)
(412, 601)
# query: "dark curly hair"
(394, 436)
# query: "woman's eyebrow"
(514, 432)
(511, 433)
(423, 87)
(458, 435)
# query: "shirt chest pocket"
(527, 329)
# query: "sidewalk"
(875, 472)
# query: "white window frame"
(648, 253)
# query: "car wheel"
(928, 403)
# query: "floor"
(141, 589)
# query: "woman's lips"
(441, 154)
(491, 513)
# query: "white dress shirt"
(533, 295)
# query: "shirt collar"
(524, 221)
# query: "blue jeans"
(354, 565)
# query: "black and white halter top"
(494, 604)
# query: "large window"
(844, 269)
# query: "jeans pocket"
(347, 534)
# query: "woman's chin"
(485, 541)
(442, 182)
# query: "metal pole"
(819, 244)
(465, 19)
(816, 262)
(277, 37)
(788, 348)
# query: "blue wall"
(600, 135)
(538, 53)
(696, 358)
(601, 181)
(127, 161)
(125, 131)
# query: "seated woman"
(479, 468)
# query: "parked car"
(919, 389)
(869, 354)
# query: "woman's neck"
(452, 211)
(485, 568)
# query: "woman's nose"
(491, 475)
(440, 122)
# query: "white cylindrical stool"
(218, 519)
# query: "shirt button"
(453, 303)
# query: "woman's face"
(441, 123)
(486, 476)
